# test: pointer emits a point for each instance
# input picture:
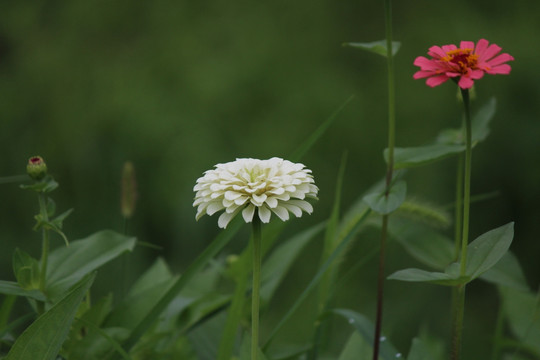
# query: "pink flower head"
(468, 63)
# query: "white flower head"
(269, 186)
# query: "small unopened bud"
(129, 190)
(36, 168)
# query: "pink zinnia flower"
(468, 62)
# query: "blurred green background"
(178, 86)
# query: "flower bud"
(36, 168)
(129, 190)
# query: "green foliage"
(482, 254)
(26, 270)
(365, 328)
(377, 47)
(383, 203)
(67, 265)
(44, 338)
(448, 143)
(522, 311)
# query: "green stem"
(467, 182)
(256, 287)
(498, 334)
(45, 243)
(459, 207)
(460, 295)
(389, 172)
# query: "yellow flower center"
(464, 58)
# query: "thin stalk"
(498, 334)
(457, 231)
(460, 296)
(459, 207)
(45, 244)
(467, 182)
(380, 289)
(256, 287)
(389, 172)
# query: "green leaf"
(356, 348)
(67, 265)
(365, 328)
(13, 288)
(44, 337)
(484, 252)
(312, 139)
(282, 258)
(423, 243)
(383, 204)
(480, 122)
(219, 242)
(377, 47)
(46, 185)
(507, 272)
(426, 349)
(522, 311)
(348, 236)
(26, 270)
(447, 278)
(142, 296)
(422, 155)
(479, 127)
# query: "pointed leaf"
(522, 311)
(282, 258)
(418, 275)
(507, 272)
(365, 328)
(383, 204)
(424, 349)
(422, 243)
(377, 47)
(484, 252)
(422, 155)
(356, 348)
(26, 270)
(481, 120)
(44, 337)
(209, 252)
(312, 139)
(67, 265)
(13, 288)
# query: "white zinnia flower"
(273, 185)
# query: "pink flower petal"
(481, 47)
(490, 52)
(476, 74)
(465, 82)
(501, 69)
(423, 74)
(447, 48)
(500, 59)
(466, 45)
(436, 80)
(426, 64)
(436, 52)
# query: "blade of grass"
(219, 242)
(317, 277)
(308, 143)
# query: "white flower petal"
(214, 207)
(249, 185)
(248, 212)
(264, 214)
(281, 212)
(272, 202)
